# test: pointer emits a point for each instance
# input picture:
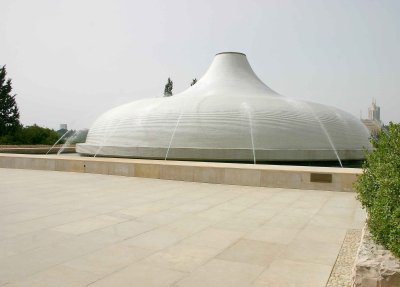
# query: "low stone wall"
(39, 149)
(375, 266)
(317, 178)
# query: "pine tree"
(9, 114)
(168, 88)
(194, 81)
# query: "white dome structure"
(228, 115)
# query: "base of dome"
(223, 155)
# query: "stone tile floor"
(73, 229)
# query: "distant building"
(63, 127)
(373, 123)
(374, 112)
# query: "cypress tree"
(168, 88)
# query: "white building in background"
(374, 112)
(63, 127)
(373, 123)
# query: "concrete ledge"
(36, 150)
(334, 179)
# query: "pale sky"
(72, 60)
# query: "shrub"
(379, 188)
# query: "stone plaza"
(79, 229)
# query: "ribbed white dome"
(228, 115)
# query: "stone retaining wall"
(317, 178)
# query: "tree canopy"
(9, 113)
(11, 130)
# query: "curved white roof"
(228, 115)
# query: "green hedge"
(379, 188)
